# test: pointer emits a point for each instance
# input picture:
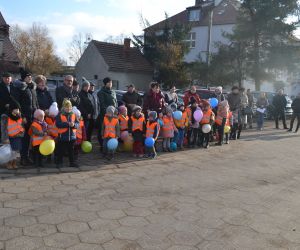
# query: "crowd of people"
(29, 115)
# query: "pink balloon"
(124, 135)
(198, 115)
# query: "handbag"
(248, 111)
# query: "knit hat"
(84, 84)
(153, 114)
(169, 110)
(38, 112)
(24, 74)
(53, 110)
(219, 88)
(13, 104)
(77, 112)
(136, 108)
(66, 103)
(122, 109)
(224, 103)
(6, 74)
(110, 110)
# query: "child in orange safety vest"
(137, 127)
(229, 123)
(221, 118)
(123, 121)
(80, 132)
(207, 119)
(38, 133)
(152, 130)
(168, 129)
(12, 132)
(110, 129)
(181, 126)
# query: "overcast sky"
(101, 18)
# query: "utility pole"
(210, 21)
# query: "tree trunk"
(256, 68)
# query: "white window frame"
(194, 15)
(191, 40)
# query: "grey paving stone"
(61, 240)
(53, 218)
(20, 221)
(85, 246)
(73, 227)
(7, 232)
(39, 230)
(95, 236)
(24, 243)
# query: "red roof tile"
(118, 60)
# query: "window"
(194, 15)
(96, 77)
(191, 40)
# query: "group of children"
(67, 129)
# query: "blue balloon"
(213, 102)
(173, 146)
(177, 115)
(161, 123)
(149, 142)
(112, 144)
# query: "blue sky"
(101, 18)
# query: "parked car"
(270, 109)
(120, 93)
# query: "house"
(9, 60)
(208, 20)
(122, 63)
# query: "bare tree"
(116, 39)
(78, 45)
(35, 49)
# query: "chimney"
(126, 48)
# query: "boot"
(9, 165)
(14, 164)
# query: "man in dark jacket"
(25, 95)
(296, 113)
(154, 100)
(43, 95)
(106, 97)
(131, 98)
(279, 103)
(66, 91)
(5, 92)
(86, 108)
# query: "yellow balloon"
(127, 146)
(226, 129)
(47, 147)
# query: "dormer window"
(194, 15)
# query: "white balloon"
(5, 154)
(206, 128)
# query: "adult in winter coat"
(44, 97)
(86, 108)
(262, 103)
(279, 103)
(5, 92)
(191, 94)
(171, 96)
(66, 91)
(106, 97)
(244, 105)
(154, 100)
(131, 98)
(25, 95)
(296, 113)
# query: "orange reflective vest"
(110, 127)
(150, 128)
(183, 122)
(36, 139)
(79, 131)
(207, 116)
(229, 119)
(137, 124)
(123, 120)
(189, 113)
(168, 127)
(52, 129)
(14, 127)
(63, 118)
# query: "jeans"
(62, 146)
(166, 143)
(277, 114)
(293, 118)
(89, 126)
(179, 137)
(260, 120)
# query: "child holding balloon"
(228, 126)
(110, 130)
(38, 131)
(181, 124)
(206, 124)
(67, 125)
(152, 132)
(80, 132)
(12, 131)
(194, 119)
(222, 114)
(137, 128)
(168, 129)
(123, 121)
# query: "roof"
(9, 51)
(224, 13)
(118, 59)
(2, 20)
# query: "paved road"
(242, 196)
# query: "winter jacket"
(65, 92)
(221, 97)
(106, 97)
(4, 131)
(26, 96)
(132, 99)
(262, 102)
(44, 99)
(86, 104)
(188, 96)
(279, 102)
(244, 101)
(154, 101)
(95, 103)
(171, 98)
(296, 105)
(5, 96)
(69, 135)
(234, 101)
